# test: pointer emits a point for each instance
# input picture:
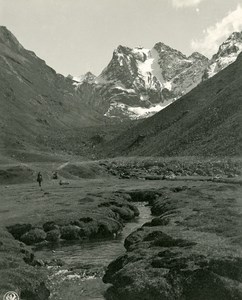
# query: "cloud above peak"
(185, 3)
(216, 34)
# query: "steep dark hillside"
(207, 121)
(35, 101)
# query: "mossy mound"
(17, 271)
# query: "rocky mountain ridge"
(88, 77)
(227, 54)
(139, 82)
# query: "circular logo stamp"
(11, 296)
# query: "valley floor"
(193, 242)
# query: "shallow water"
(80, 277)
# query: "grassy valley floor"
(193, 242)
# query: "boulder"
(124, 212)
(18, 230)
(50, 226)
(134, 209)
(86, 219)
(53, 235)
(133, 238)
(70, 232)
(157, 222)
(35, 235)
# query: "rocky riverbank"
(22, 272)
(106, 220)
(19, 271)
(166, 168)
(190, 250)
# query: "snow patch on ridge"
(142, 112)
(125, 90)
(144, 64)
(226, 55)
(156, 69)
(222, 63)
(120, 58)
(149, 69)
(168, 85)
(135, 113)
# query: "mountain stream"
(84, 264)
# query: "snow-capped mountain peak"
(143, 78)
(138, 81)
(231, 45)
(227, 54)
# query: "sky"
(77, 36)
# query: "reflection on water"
(85, 263)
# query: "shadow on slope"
(37, 104)
(16, 174)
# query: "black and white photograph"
(120, 149)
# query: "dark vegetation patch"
(172, 264)
(163, 205)
(85, 200)
(107, 220)
(144, 196)
(16, 174)
(164, 240)
(18, 230)
(19, 269)
(86, 219)
(133, 239)
(157, 222)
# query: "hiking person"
(39, 178)
(55, 175)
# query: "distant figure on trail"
(54, 175)
(39, 178)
